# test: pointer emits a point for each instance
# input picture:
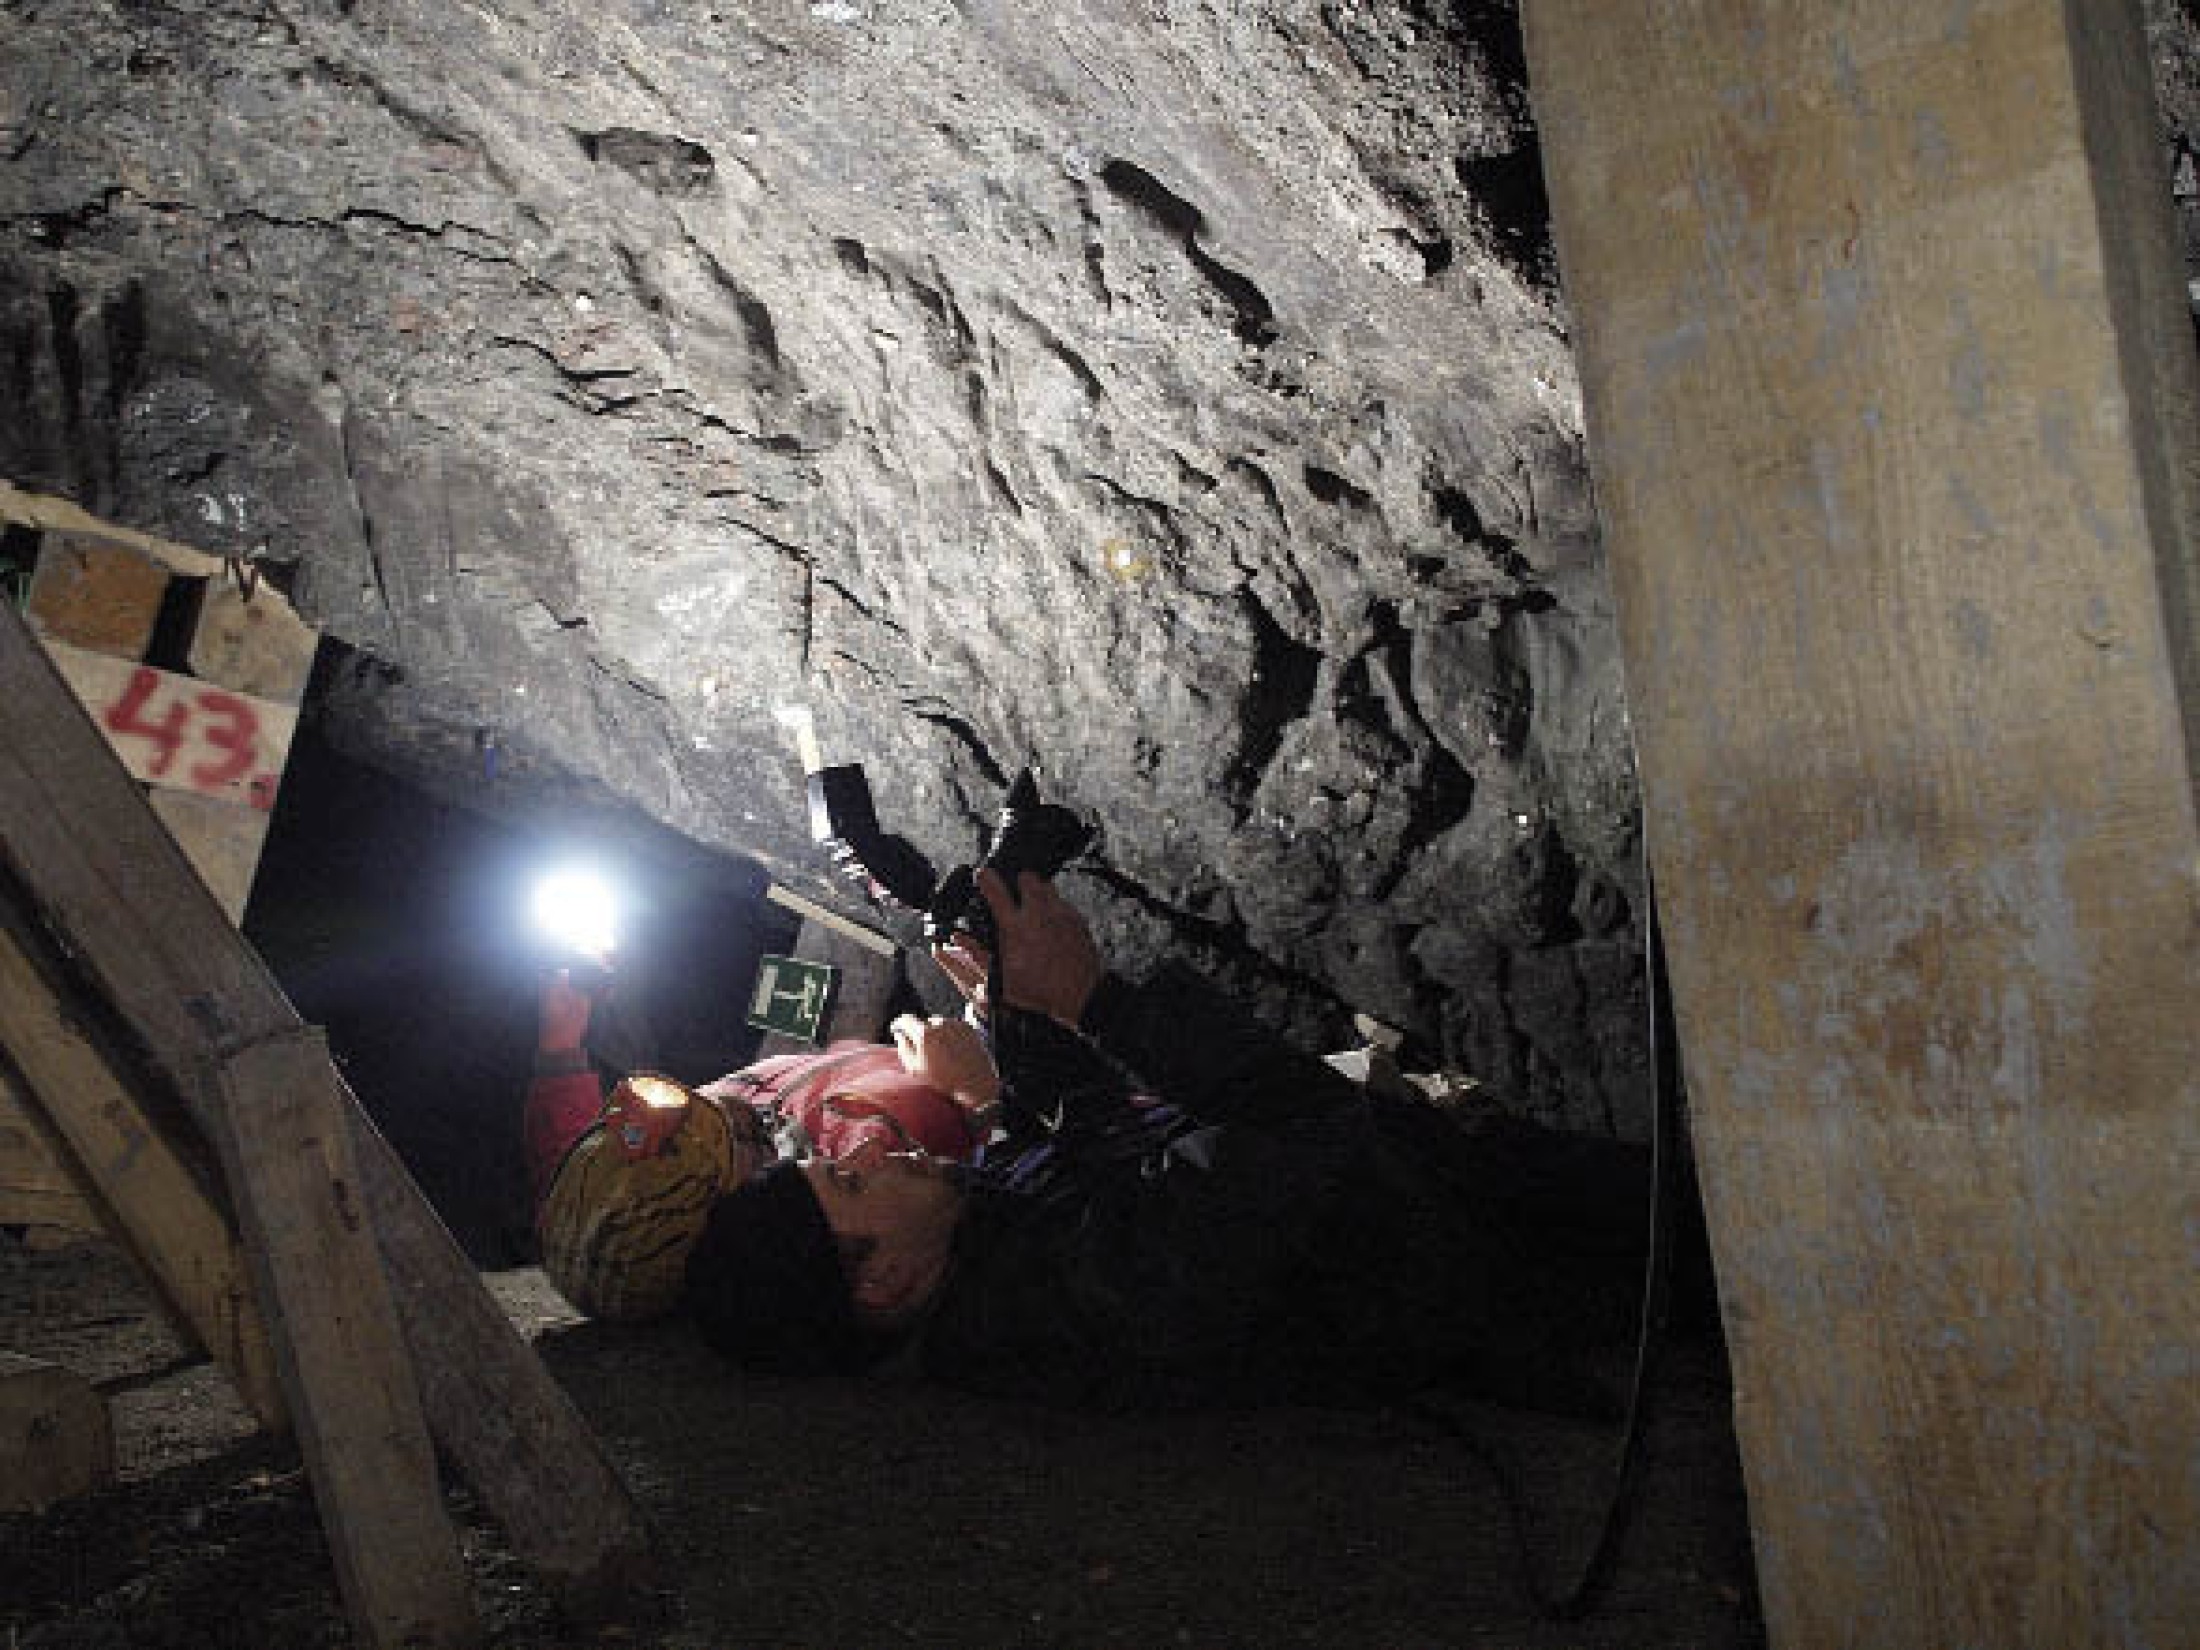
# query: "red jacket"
(838, 1097)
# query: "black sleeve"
(1180, 1037)
(1051, 1078)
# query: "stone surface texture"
(1170, 395)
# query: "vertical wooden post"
(1890, 400)
(285, 1140)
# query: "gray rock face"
(1169, 396)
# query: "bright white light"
(577, 910)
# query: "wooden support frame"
(148, 938)
(1891, 406)
(211, 744)
(136, 1177)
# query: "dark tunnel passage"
(398, 922)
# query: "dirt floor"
(846, 1516)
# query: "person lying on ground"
(622, 1185)
(1206, 1216)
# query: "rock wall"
(1171, 395)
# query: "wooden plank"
(150, 924)
(159, 948)
(180, 733)
(251, 641)
(870, 939)
(223, 841)
(1898, 500)
(56, 1441)
(285, 1142)
(511, 1430)
(95, 596)
(153, 1199)
(62, 1215)
(23, 508)
(35, 1188)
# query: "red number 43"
(233, 729)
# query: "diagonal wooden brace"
(88, 863)
(134, 1174)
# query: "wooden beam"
(149, 1194)
(510, 1429)
(36, 1187)
(42, 511)
(56, 1441)
(883, 945)
(286, 1145)
(153, 942)
(1890, 401)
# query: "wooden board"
(180, 733)
(512, 1431)
(223, 841)
(58, 515)
(251, 642)
(1891, 406)
(285, 1143)
(35, 1188)
(155, 1202)
(55, 1439)
(160, 950)
(95, 596)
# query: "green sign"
(791, 997)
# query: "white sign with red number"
(182, 733)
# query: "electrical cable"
(1580, 1595)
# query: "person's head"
(631, 1197)
(820, 1266)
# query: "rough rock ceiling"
(1167, 394)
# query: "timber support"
(1889, 383)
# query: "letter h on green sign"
(791, 997)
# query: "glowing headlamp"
(645, 1112)
(576, 910)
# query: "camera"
(1029, 835)
(845, 824)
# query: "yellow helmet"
(631, 1197)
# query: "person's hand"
(562, 1012)
(1049, 963)
(949, 1055)
(965, 963)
